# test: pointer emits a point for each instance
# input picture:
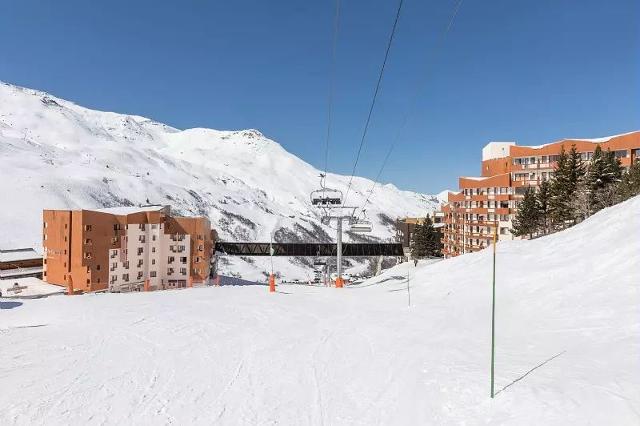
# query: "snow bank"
(567, 345)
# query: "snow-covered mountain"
(56, 154)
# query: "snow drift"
(568, 347)
(55, 154)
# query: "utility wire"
(411, 106)
(375, 96)
(336, 24)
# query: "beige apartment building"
(125, 249)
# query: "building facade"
(490, 201)
(125, 249)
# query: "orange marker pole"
(70, 286)
(272, 283)
(146, 284)
(339, 282)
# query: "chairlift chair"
(326, 197)
(361, 227)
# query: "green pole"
(493, 310)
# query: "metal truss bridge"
(308, 249)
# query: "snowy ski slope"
(568, 345)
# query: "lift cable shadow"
(530, 371)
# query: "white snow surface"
(56, 154)
(29, 287)
(567, 345)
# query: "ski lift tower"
(330, 201)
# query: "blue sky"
(529, 71)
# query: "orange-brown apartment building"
(489, 201)
(124, 248)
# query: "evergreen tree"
(559, 203)
(426, 241)
(527, 220)
(594, 180)
(630, 183)
(543, 199)
(613, 168)
(568, 176)
(605, 171)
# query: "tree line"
(576, 190)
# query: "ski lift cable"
(412, 103)
(375, 96)
(336, 26)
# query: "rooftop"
(14, 255)
(125, 210)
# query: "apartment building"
(125, 249)
(490, 201)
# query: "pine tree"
(543, 199)
(605, 171)
(629, 185)
(576, 169)
(527, 220)
(613, 168)
(594, 180)
(558, 203)
(425, 241)
(567, 179)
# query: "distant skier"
(415, 262)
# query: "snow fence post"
(146, 284)
(272, 283)
(493, 310)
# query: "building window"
(171, 259)
(87, 255)
(152, 274)
(44, 224)
(154, 226)
(140, 250)
(183, 260)
(183, 271)
(197, 259)
(153, 249)
(139, 275)
(126, 265)
(87, 227)
(97, 267)
(141, 238)
(621, 153)
(153, 261)
(153, 238)
(169, 271)
(200, 247)
(125, 277)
